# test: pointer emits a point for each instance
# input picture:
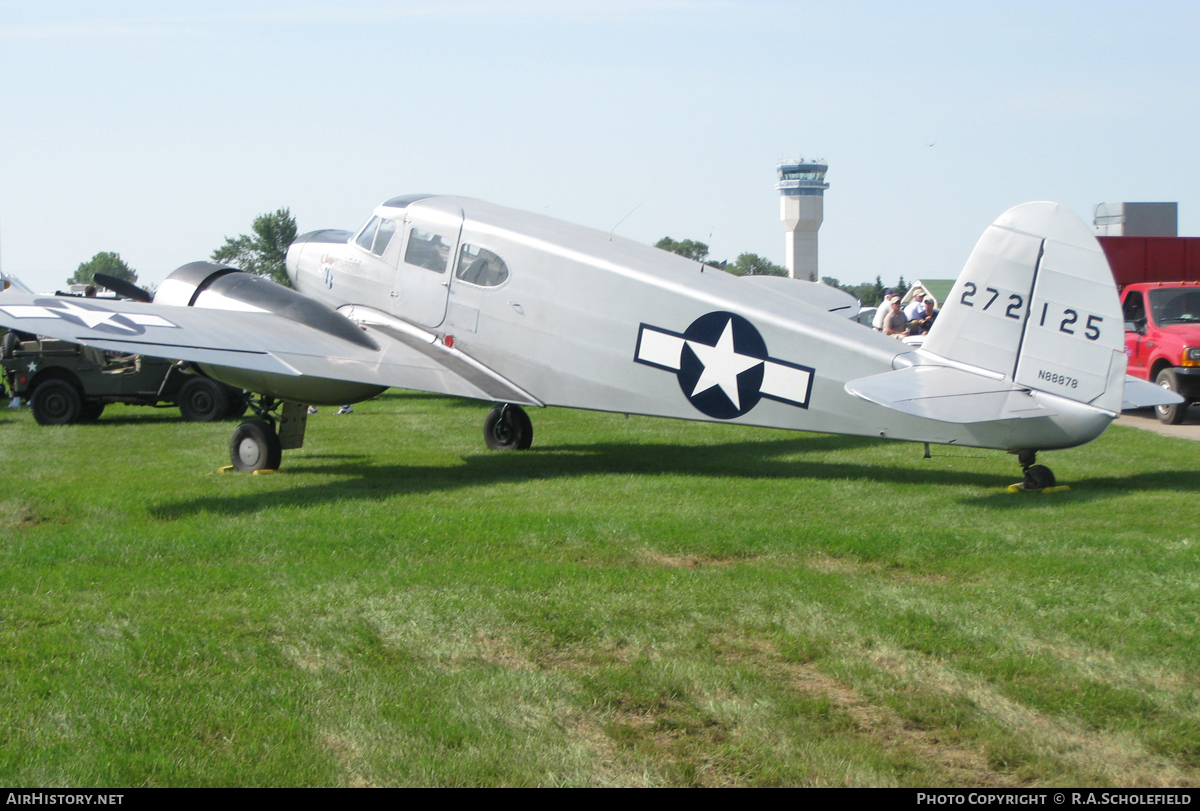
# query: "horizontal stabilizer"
(1142, 394)
(949, 395)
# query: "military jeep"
(67, 383)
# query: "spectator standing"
(884, 309)
(895, 324)
(916, 308)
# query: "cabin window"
(367, 235)
(383, 236)
(480, 266)
(427, 250)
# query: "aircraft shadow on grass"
(140, 419)
(361, 480)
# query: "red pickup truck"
(1162, 339)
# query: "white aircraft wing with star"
(263, 345)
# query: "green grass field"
(632, 602)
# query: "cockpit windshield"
(1175, 306)
(367, 235)
(376, 235)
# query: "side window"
(382, 237)
(427, 250)
(367, 235)
(480, 266)
(1135, 310)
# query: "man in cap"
(916, 308)
(884, 309)
(895, 324)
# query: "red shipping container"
(1152, 259)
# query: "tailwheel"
(1037, 477)
(255, 446)
(508, 428)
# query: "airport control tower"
(801, 209)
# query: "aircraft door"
(431, 233)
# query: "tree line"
(261, 252)
(747, 264)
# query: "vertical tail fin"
(1036, 302)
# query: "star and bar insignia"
(88, 315)
(722, 365)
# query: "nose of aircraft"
(291, 262)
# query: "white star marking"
(32, 366)
(722, 365)
(91, 318)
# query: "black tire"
(91, 410)
(239, 401)
(255, 446)
(56, 402)
(9, 344)
(1038, 477)
(1170, 414)
(508, 428)
(203, 400)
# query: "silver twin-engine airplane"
(463, 297)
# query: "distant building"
(801, 210)
(937, 289)
(1136, 219)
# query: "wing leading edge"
(265, 343)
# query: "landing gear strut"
(259, 442)
(1037, 477)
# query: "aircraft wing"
(392, 352)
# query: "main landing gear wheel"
(203, 400)
(56, 402)
(255, 446)
(1170, 414)
(507, 428)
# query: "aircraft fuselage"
(583, 319)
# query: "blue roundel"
(730, 361)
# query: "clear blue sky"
(156, 130)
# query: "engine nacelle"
(220, 287)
